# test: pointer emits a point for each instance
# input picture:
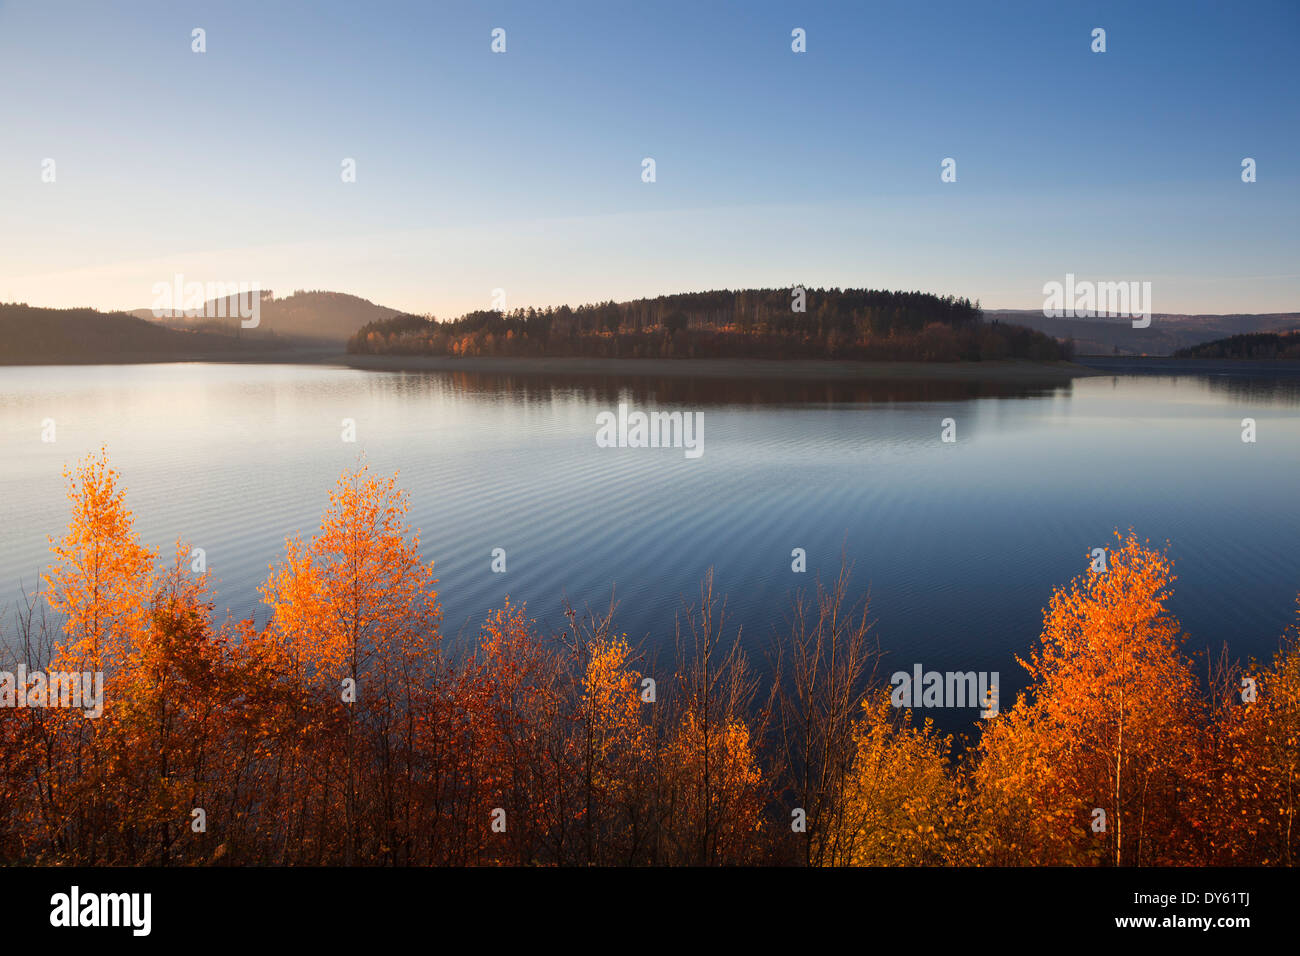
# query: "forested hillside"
(862, 324)
(1258, 345)
(31, 336)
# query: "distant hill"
(1168, 332)
(313, 316)
(1253, 345)
(34, 336)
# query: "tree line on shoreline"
(345, 733)
(846, 324)
(1275, 346)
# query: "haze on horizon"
(522, 170)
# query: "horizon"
(522, 170)
(269, 295)
(544, 306)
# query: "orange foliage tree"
(358, 613)
(715, 789)
(1108, 724)
(102, 577)
(1246, 807)
(902, 807)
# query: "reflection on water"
(679, 390)
(959, 543)
(1275, 391)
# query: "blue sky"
(522, 170)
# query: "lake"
(960, 543)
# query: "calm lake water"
(960, 544)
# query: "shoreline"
(302, 355)
(1010, 372)
(744, 369)
(1168, 365)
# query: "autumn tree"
(30, 793)
(614, 744)
(357, 607)
(100, 583)
(901, 803)
(1246, 808)
(822, 667)
(518, 765)
(101, 579)
(715, 789)
(1108, 723)
(163, 730)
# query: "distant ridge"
(312, 316)
(1253, 345)
(34, 336)
(1168, 333)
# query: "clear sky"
(522, 170)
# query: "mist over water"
(960, 544)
